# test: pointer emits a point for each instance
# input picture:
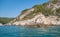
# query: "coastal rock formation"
(54, 20)
(40, 15)
(39, 19)
(1, 24)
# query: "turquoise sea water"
(23, 31)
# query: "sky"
(12, 8)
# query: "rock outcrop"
(1, 24)
(39, 19)
(40, 15)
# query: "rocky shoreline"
(47, 14)
(39, 20)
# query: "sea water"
(23, 31)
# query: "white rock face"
(27, 12)
(54, 6)
(39, 19)
(54, 20)
(19, 23)
(0, 24)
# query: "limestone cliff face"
(47, 13)
(54, 5)
(26, 13)
(40, 19)
(22, 15)
(1, 24)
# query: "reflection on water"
(22, 31)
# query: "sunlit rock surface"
(1, 24)
(33, 16)
(40, 19)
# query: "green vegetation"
(24, 11)
(42, 8)
(58, 12)
(54, 1)
(29, 16)
(39, 8)
(5, 20)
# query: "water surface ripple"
(23, 31)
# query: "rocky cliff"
(40, 15)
